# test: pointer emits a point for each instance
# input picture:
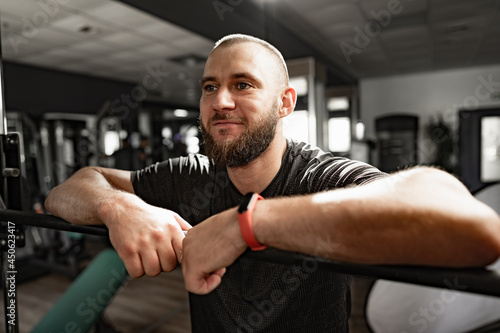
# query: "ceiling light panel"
(163, 31)
(12, 51)
(162, 50)
(341, 12)
(45, 60)
(126, 56)
(82, 5)
(74, 23)
(91, 47)
(125, 39)
(189, 42)
(54, 36)
(120, 14)
(21, 8)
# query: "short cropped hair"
(234, 39)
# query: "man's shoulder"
(307, 151)
(315, 164)
(192, 163)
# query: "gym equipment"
(45, 250)
(83, 303)
(479, 147)
(397, 141)
(480, 281)
(101, 279)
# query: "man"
(311, 205)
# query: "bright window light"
(360, 131)
(299, 84)
(166, 132)
(296, 126)
(111, 142)
(338, 104)
(193, 145)
(181, 113)
(339, 134)
(190, 134)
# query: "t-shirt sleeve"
(165, 184)
(153, 184)
(339, 172)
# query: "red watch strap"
(246, 226)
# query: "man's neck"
(257, 175)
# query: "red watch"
(245, 218)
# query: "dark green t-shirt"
(257, 296)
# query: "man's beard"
(247, 146)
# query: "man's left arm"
(420, 216)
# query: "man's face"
(239, 104)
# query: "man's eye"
(208, 88)
(243, 85)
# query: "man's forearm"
(80, 199)
(414, 217)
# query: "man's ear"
(288, 101)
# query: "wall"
(37, 90)
(429, 94)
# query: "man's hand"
(209, 248)
(148, 239)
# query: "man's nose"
(223, 100)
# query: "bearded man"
(291, 196)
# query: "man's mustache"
(227, 117)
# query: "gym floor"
(144, 305)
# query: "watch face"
(245, 203)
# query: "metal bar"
(3, 118)
(50, 222)
(8, 298)
(479, 281)
(474, 280)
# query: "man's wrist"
(258, 220)
(111, 208)
(245, 220)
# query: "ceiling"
(130, 39)
(386, 37)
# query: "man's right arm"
(81, 198)
(147, 238)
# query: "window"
(296, 126)
(339, 124)
(339, 134)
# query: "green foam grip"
(81, 305)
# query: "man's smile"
(227, 123)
